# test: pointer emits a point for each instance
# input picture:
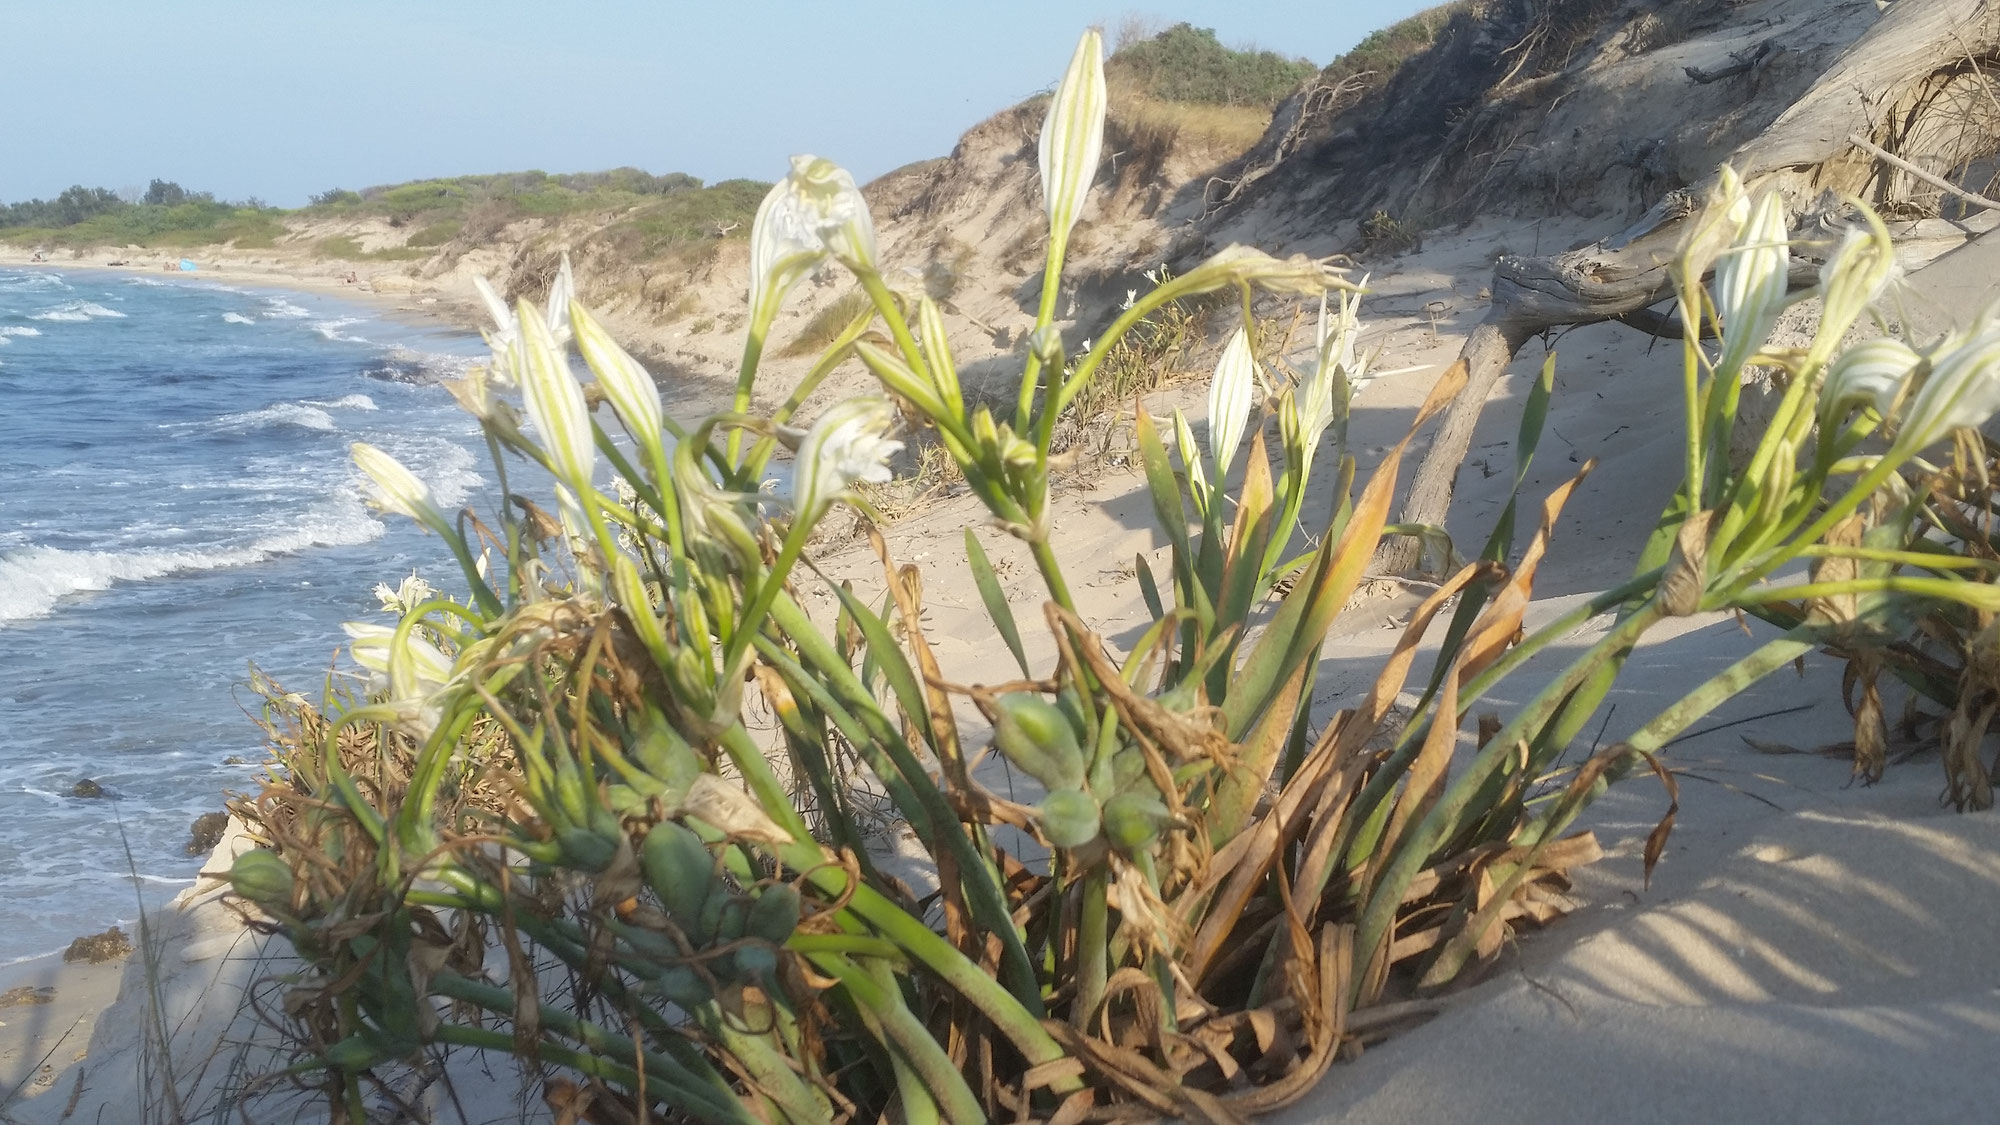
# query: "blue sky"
(277, 99)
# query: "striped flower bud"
(1073, 136)
(555, 401)
(397, 489)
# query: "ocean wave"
(36, 282)
(345, 402)
(33, 580)
(283, 414)
(237, 318)
(18, 330)
(330, 329)
(277, 308)
(76, 310)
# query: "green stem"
(875, 991)
(674, 1084)
(1092, 948)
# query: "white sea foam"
(330, 329)
(345, 402)
(31, 282)
(76, 310)
(283, 414)
(277, 308)
(18, 330)
(34, 579)
(237, 318)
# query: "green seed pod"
(679, 869)
(1069, 818)
(774, 915)
(681, 985)
(724, 917)
(756, 961)
(264, 879)
(585, 849)
(1133, 820)
(1128, 768)
(1036, 736)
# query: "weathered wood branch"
(1935, 181)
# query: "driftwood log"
(1806, 153)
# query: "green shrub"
(1384, 51)
(1188, 64)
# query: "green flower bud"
(586, 849)
(1036, 736)
(774, 915)
(1069, 818)
(678, 868)
(264, 879)
(1133, 820)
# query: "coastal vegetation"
(604, 808)
(166, 214)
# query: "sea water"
(176, 504)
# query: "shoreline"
(406, 298)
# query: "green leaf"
(995, 598)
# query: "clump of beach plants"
(548, 829)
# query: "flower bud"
(397, 489)
(1073, 136)
(1230, 395)
(1070, 818)
(1036, 736)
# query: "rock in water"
(96, 949)
(87, 789)
(207, 832)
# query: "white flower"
(1230, 396)
(1750, 281)
(631, 391)
(408, 594)
(555, 401)
(1852, 278)
(1871, 372)
(1962, 391)
(847, 443)
(1131, 298)
(1073, 135)
(408, 675)
(815, 211)
(397, 489)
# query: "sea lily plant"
(600, 811)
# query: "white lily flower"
(555, 401)
(411, 592)
(628, 386)
(397, 489)
(1871, 372)
(1230, 396)
(1131, 298)
(1852, 278)
(815, 211)
(1073, 135)
(409, 676)
(1751, 279)
(846, 444)
(1962, 391)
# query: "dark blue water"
(177, 502)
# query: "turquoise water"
(176, 502)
